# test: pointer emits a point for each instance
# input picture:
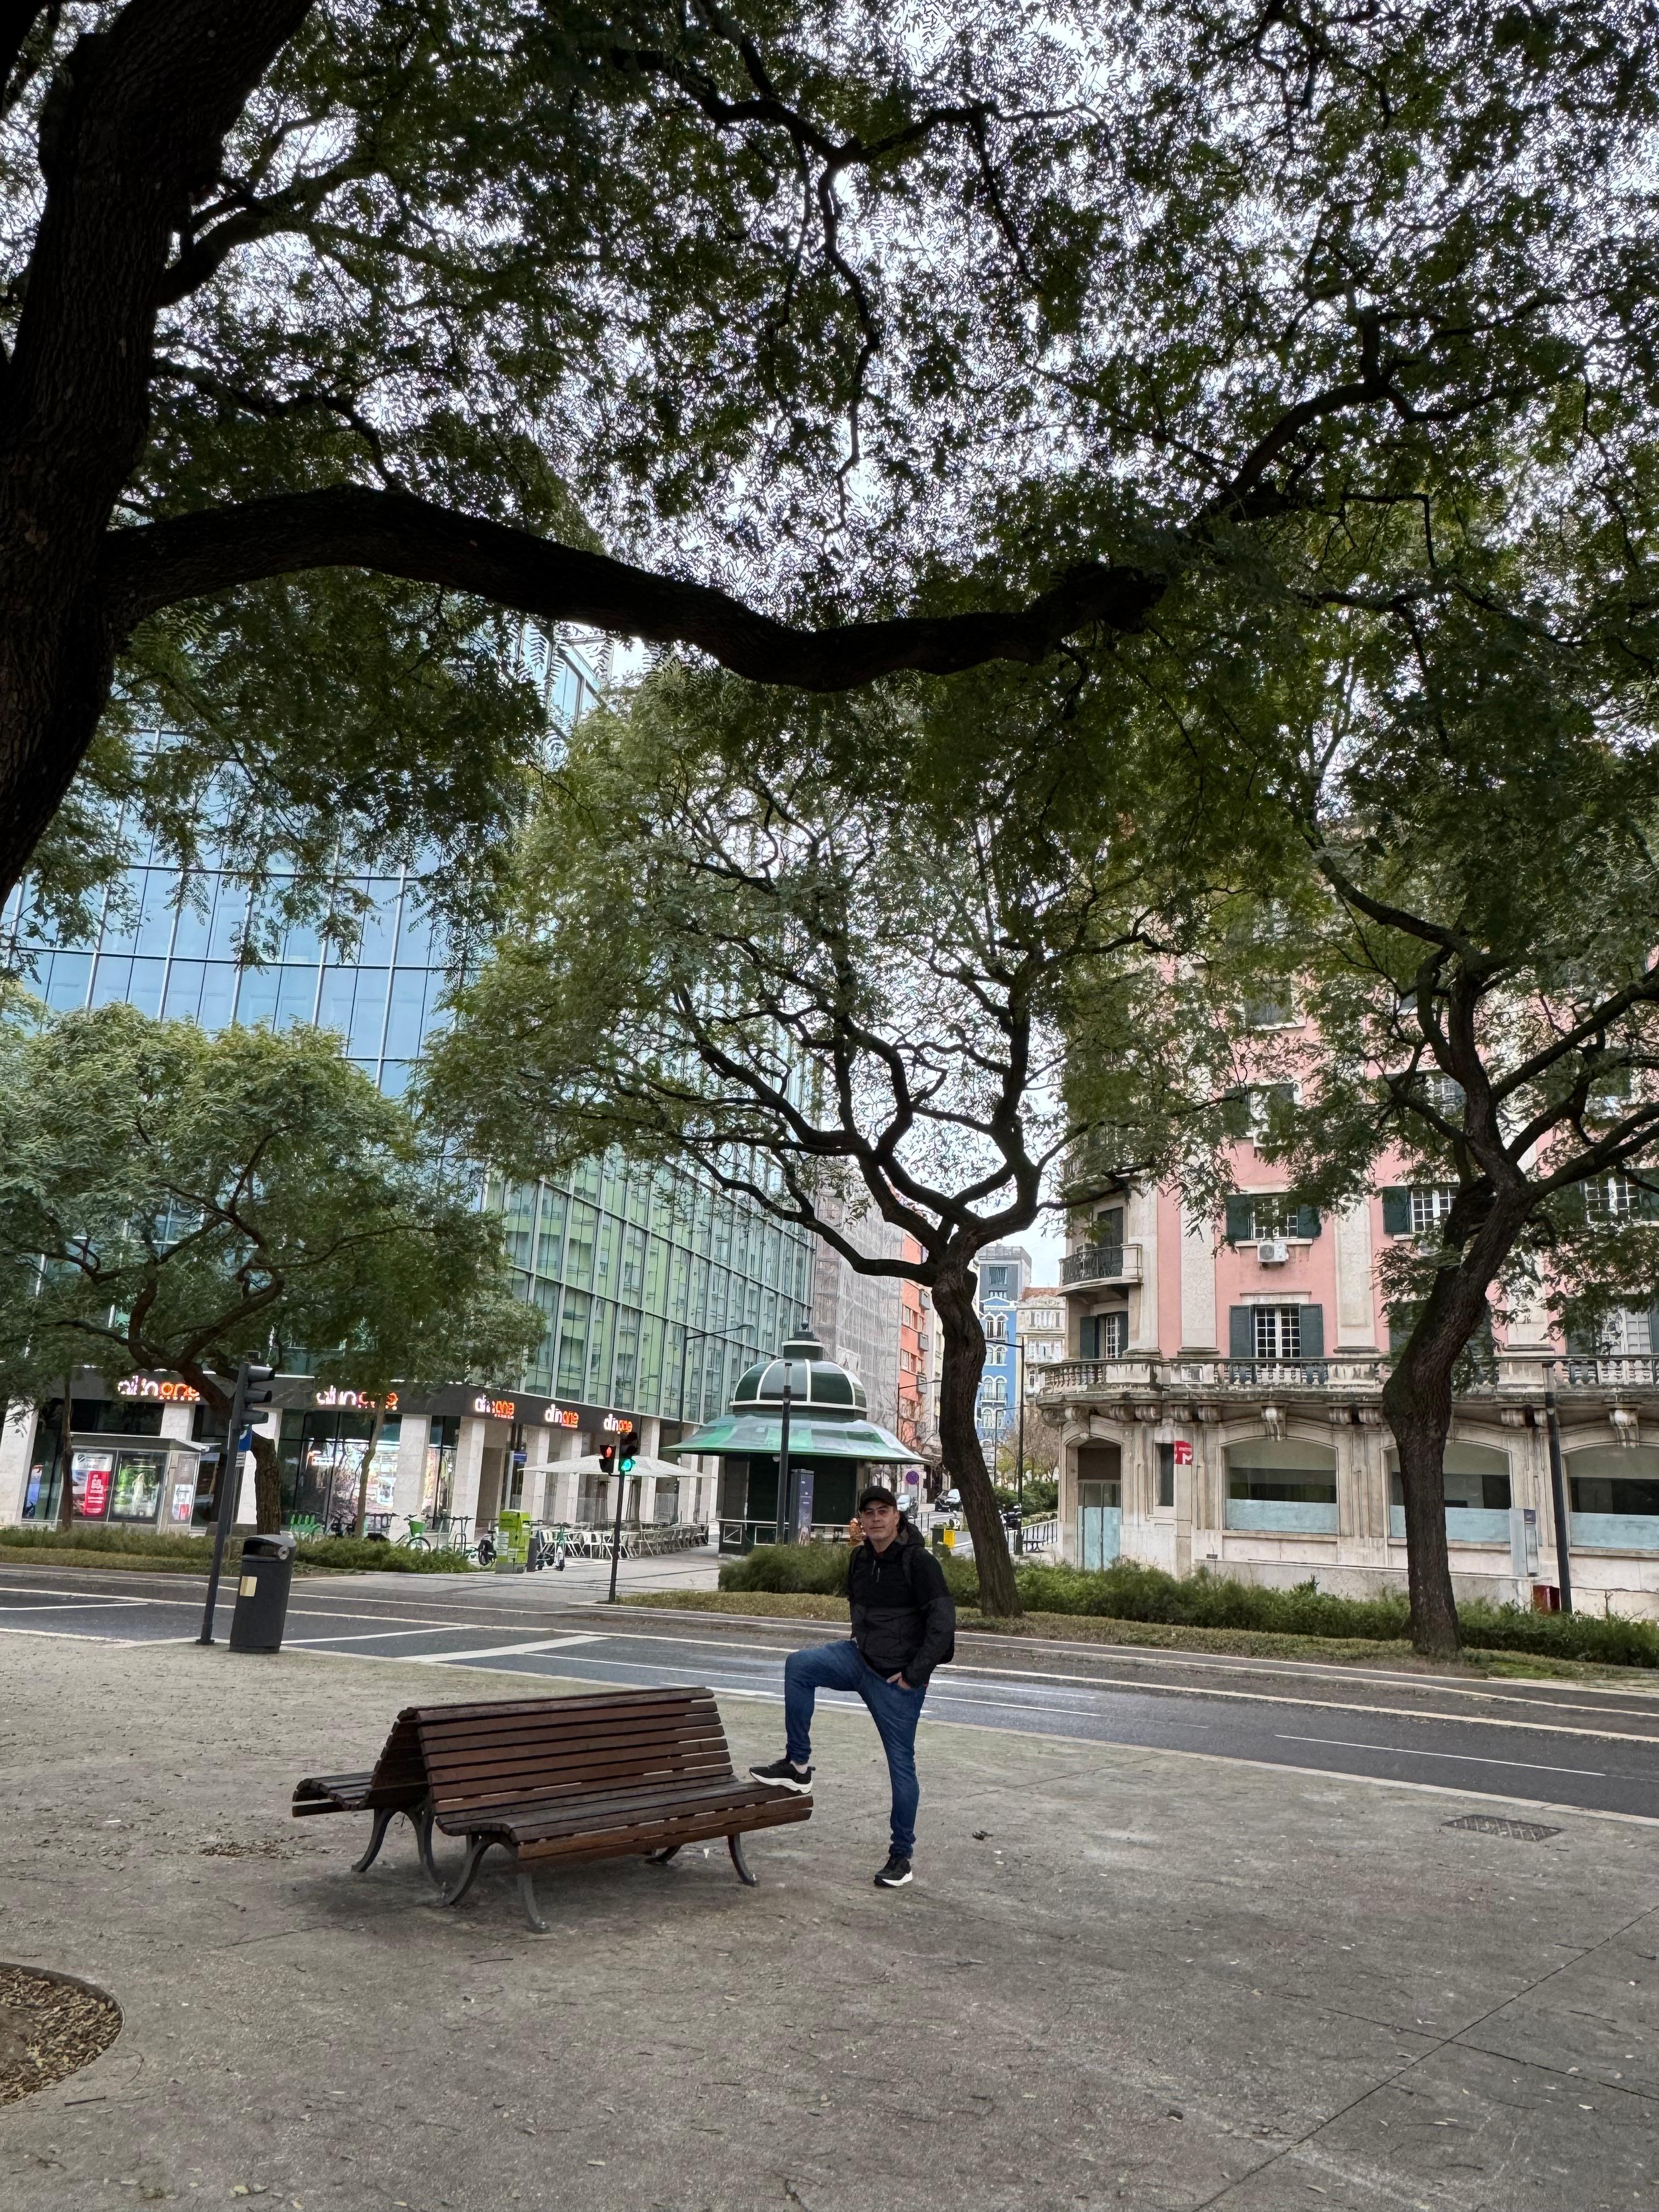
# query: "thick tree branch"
(193, 556)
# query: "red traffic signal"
(607, 1459)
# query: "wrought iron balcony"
(1098, 1265)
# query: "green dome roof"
(817, 1383)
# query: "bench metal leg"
(661, 1859)
(470, 1867)
(383, 1820)
(421, 1819)
(527, 1892)
(734, 1844)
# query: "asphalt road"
(1544, 1743)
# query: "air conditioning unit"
(1273, 1252)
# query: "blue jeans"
(894, 1710)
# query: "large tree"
(836, 955)
(180, 1202)
(1466, 919)
(874, 339)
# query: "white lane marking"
(1464, 1757)
(498, 1651)
(374, 1635)
(117, 1597)
(69, 1605)
(1226, 1663)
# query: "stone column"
(1140, 1227)
(1197, 1285)
(17, 1453)
(270, 1424)
(409, 1483)
(469, 1465)
(1356, 1310)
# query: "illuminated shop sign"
(502, 1408)
(358, 1401)
(146, 1386)
(561, 1417)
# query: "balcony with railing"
(1098, 1267)
(1501, 1377)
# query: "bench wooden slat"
(541, 1817)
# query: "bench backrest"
(399, 1776)
(519, 1751)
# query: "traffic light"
(607, 1459)
(257, 1384)
(628, 1446)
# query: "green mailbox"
(512, 1543)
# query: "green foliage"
(1067, 278)
(358, 1553)
(337, 1552)
(821, 1568)
(181, 1202)
(1129, 1591)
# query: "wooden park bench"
(618, 1774)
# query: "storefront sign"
(503, 1409)
(94, 1497)
(561, 1417)
(1183, 1452)
(183, 1502)
(359, 1400)
(146, 1386)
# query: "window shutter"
(1396, 1212)
(1312, 1323)
(1240, 1227)
(1653, 1330)
(1307, 1221)
(1089, 1337)
(1644, 1202)
(1581, 1342)
(1241, 1344)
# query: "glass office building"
(658, 1290)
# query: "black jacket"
(904, 1618)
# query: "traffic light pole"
(616, 1533)
(230, 1481)
(786, 1503)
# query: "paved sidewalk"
(1155, 1981)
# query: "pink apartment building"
(1221, 1404)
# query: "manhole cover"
(1488, 1824)
(50, 2027)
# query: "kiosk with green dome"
(832, 1441)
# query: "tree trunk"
(1417, 1403)
(65, 1464)
(361, 1526)
(267, 1485)
(963, 1342)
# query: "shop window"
(116, 1417)
(1614, 1480)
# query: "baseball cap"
(877, 1495)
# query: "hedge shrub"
(195, 1551)
(1129, 1591)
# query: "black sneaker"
(895, 1874)
(784, 1774)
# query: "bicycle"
(414, 1536)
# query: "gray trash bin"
(262, 1593)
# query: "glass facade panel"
(641, 1274)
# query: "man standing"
(903, 1626)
